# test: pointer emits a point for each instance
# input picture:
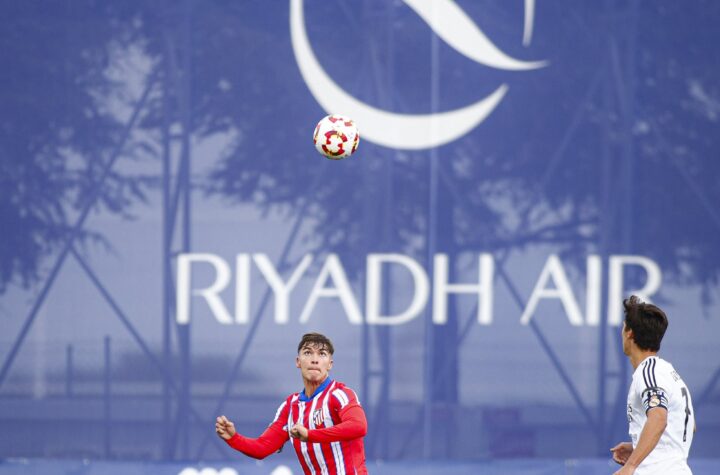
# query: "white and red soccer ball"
(336, 137)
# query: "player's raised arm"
(315, 419)
(268, 443)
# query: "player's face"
(625, 334)
(314, 362)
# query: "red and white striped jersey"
(327, 451)
(336, 426)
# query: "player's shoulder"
(340, 386)
(343, 394)
(668, 377)
(654, 372)
(663, 366)
(663, 370)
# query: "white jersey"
(655, 383)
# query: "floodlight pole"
(177, 205)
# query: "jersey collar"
(647, 358)
(320, 389)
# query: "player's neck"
(637, 356)
(311, 386)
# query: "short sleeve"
(654, 386)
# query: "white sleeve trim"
(341, 397)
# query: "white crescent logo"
(414, 131)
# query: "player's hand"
(299, 431)
(621, 452)
(224, 427)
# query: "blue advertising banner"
(519, 169)
(505, 467)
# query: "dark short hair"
(316, 339)
(647, 322)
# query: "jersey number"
(687, 412)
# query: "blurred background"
(169, 231)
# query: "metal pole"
(626, 94)
(167, 239)
(184, 331)
(431, 247)
(69, 371)
(106, 401)
(607, 223)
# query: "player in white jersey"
(659, 407)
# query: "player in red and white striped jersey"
(325, 420)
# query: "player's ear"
(331, 363)
(297, 361)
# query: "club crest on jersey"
(318, 417)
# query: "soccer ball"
(336, 137)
